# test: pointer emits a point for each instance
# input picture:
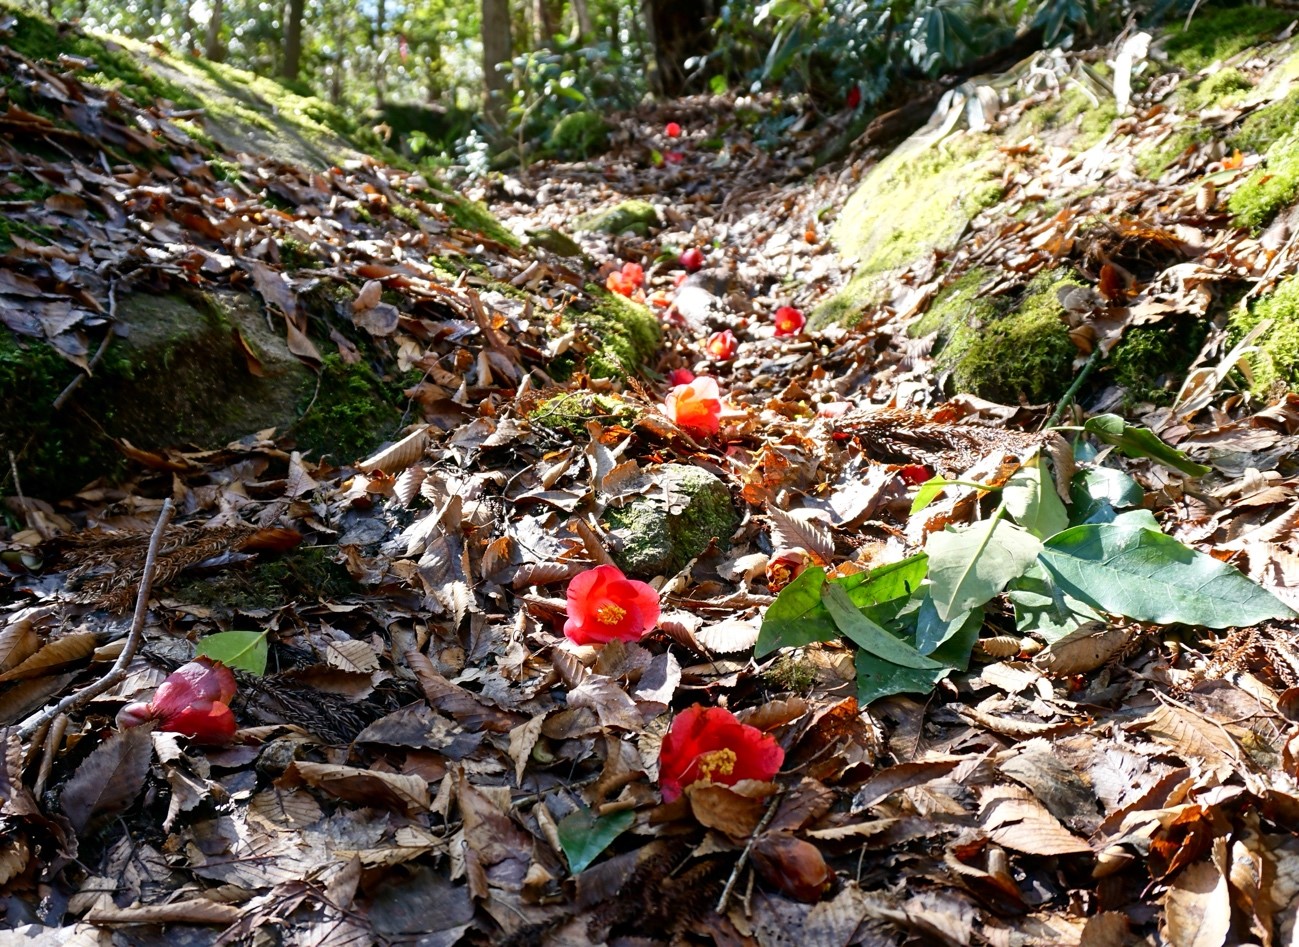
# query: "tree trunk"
(496, 49)
(678, 29)
(546, 22)
(293, 41)
(212, 49)
(582, 13)
(380, 52)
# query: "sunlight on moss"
(1220, 32)
(1276, 363)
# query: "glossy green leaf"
(1031, 499)
(968, 566)
(1043, 608)
(869, 636)
(1127, 569)
(584, 835)
(935, 485)
(1096, 493)
(878, 678)
(245, 650)
(931, 631)
(1137, 441)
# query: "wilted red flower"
(604, 605)
(707, 744)
(673, 157)
(672, 130)
(695, 407)
(789, 321)
(853, 98)
(784, 567)
(620, 284)
(721, 345)
(680, 376)
(634, 272)
(194, 700)
(915, 474)
(692, 259)
(834, 409)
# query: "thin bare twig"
(77, 382)
(117, 673)
(744, 855)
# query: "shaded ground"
(427, 759)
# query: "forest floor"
(1032, 670)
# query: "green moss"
(467, 215)
(1269, 189)
(579, 135)
(1220, 32)
(304, 575)
(626, 334)
(659, 535)
(794, 675)
(1276, 363)
(1022, 352)
(570, 412)
(1156, 158)
(1217, 89)
(917, 200)
(862, 293)
(630, 216)
(959, 302)
(225, 170)
(1150, 362)
(1267, 125)
(353, 412)
(37, 38)
(297, 255)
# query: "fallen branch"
(117, 673)
(1067, 398)
(744, 855)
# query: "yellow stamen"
(716, 762)
(610, 614)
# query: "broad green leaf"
(869, 636)
(878, 678)
(798, 617)
(1042, 607)
(932, 631)
(584, 835)
(967, 567)
(1031, 499)
(1096, 492)
(935, 485)
(1142, 574)
(245, 650)
(1137, 441)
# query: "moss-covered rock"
(623, 334)
(304, 575)
(1154, 159)
(570, 412)
(1276, 362)
(352, 413)
(579, 135)
(917, 200)
(1074, 119)
(628, 217)
(659, 534)
(1150, 362)
(1271, 188)
(1215, 90)
(1217, 32)
(1003, 349)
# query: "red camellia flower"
(634, 272)
(789, 321)
(680, 376)
(692, 259)
(673, 157)
(672, 130)
(707, 744)
(721, 345)
(695, 407)
(786, 565)
(620, 284)
(603, 605)
(915, 474)
(853, 98)
(194, 700)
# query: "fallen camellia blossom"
(673, 157)
(193, 701)
(853, 98)
(915, 474)
(604, 605)
(785, 565)
(707, 744)
(680, 376)
(620, 284)
(692, 259)
(789, 321)
(634, 272)
(672, 130)
(834, 409)
(721, 345)
(695, 407)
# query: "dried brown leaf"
(109, 779)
